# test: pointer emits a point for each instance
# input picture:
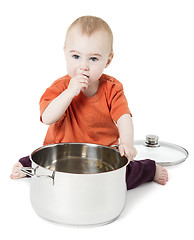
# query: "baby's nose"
(84, 68)
(84, 65)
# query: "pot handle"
(28, 171)
(31, 172)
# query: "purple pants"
(137, 173)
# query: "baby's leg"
(139, 172)
(23, 162)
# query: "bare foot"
(16, 173)
(161, 175)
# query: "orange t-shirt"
(87, 119)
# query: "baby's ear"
(109, 59)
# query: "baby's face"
(87, 55)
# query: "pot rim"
(75, 143)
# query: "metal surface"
(151, 141)
(165, 154)
(78, 158)
(78, 184)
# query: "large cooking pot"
(78, 184)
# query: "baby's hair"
(90, 25)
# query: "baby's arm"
(59, 105)
(126, 132)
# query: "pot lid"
(165, 154)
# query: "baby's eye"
(75, 56)
(94, 59)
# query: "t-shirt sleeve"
(119, 104)
(51, 93)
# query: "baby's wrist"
(69, 93)
(128, 143)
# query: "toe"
(162, 181)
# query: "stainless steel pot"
(78, 184)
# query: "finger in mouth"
(86, 75)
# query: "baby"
(90, 107)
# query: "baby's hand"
(78, 83)
(16, 173)
(128, 151)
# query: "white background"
(154, 59)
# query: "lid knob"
(152, 141)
